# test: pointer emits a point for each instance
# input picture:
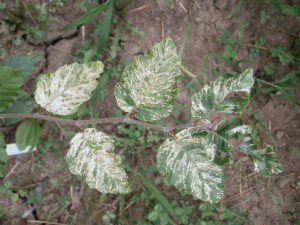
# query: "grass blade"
(158, 195)
(104, 35)
(86, 17)
(236, 10)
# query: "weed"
(6, 189)
(29, 21)
(269, 79)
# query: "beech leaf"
(149, 83)
(92, 157)
(188, 163)
(63, 91)
(213, 95)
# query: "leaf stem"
(79, 123)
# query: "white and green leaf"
(264, 159)
(28, 134)
(92, 157)
(3, 154)
(149, 83)
(188, 163)
(234, 128)
(213, 95)
(10, 83)
(63, 91)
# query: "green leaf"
(234, 128)
(188, 163)
(28, 134)
(86, 17)
(3, 154)
(212, 96)
(148, 87)
(264, 160)
(10, 83)
(66, 89)
(92, 157)
(24, 104)
(26, 63)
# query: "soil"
(261, 199)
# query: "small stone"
(279, 134)
(280, 106)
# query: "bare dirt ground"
(252, 194)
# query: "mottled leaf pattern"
(28, 134)
(223, 148)
(10, 83)
(234, 128)
(213, 95)
(66, 89)
(3, 154)
(188, 163)
(92, 157)
(148, 86)
(264, 159)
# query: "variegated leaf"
(264, 159)
(63, 91)
(92, 157)
(213, 95)
(234, 128)
(188, 163)
(148, 87)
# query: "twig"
(185, 71)
(45, 222)
(180, 4)
(123, 119)
(255, 46)
(11, 171)
(137, 9)
(283, 31)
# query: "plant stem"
(79, 123)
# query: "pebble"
(279, 134)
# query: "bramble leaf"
(265, 161)
(148, 87)
(23, 104)
(92, 157)
(63, 91)
(188, 163)
(10, 83)
(28, 134)
(26, 63)
(213, 95)
(3, 154)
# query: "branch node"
(166, 130)
(173, 136)
(80, 126)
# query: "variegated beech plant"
(191, 159)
